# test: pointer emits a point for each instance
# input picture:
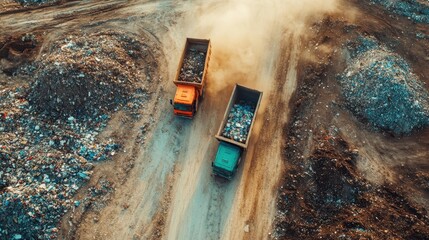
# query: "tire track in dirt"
(72, 15)
(178, 155)
(254, 206)
(194, 211)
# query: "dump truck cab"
(191, 76)
(185, 101)
(228, 157)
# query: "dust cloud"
(245, 33)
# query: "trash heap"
(414, 10)
(239, 120)
(379, 86)
(193, 66)
(89, 74)
(42, 165)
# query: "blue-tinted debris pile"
(239, 120)
(416, 10)
(43, 163)
(380, 86)
(90, 74)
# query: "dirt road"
(169, 192)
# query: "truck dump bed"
(240, 114)
(193, 63)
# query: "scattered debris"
(325, 197)
(45, 158)
(42, 165)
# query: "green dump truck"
(235, 130)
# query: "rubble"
(239, 121)
(42, 166)
(193, 66)
(49, 127)
(412, 9)
(379, 86)
(89, 74)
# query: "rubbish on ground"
(379, 86)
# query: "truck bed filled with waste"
(239, 117)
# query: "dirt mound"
(335, 182)
(17, 50)
(325, 197)
(379, 86)
(89, 74)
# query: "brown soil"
(344, 180)
(340, 178)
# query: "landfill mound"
(90, 74)
(193, 66)
(239, 121)
(412, 9)
(42, 166)
(44, 161)
(325, 197)
(379, 86)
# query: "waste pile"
(379, 86)
(412, 9)
(42, 165)
(89, 74)
(239, 121)
(193, 66)
(49, 126)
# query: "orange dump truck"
(191, 76)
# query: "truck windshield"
(183, 107)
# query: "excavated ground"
(346, 180)
(341, 178)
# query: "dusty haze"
(245, 31)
